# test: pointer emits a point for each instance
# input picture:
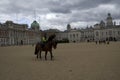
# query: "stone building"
(99, 32)
(73, 35)
(87, 34)
(18, 34)
(107, 31)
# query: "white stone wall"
(103, 34)
(74, 36)
(117, 33)
(62, 35)
(88, 35)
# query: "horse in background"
(51, 43)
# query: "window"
(114, 32)
(106, 33)
(97, 34)
(70, 36)
(73, 35)
(102, 33)
(110, 32)
(77, 35)
(118, 32)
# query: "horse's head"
(54, 44)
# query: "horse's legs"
(37, 55)
(37, 52)
(45, 55)
(51, 55)
(40, 55)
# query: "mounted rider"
(44, 40)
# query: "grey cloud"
(60, 10)
(66, 11)
(57, 6)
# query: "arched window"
(97, 34)
(77, 35)
(73, 35)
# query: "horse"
(47, 48)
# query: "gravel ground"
(73, 61)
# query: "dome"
(68, 27)
(34, 25)
(102, 22)
(109, 16)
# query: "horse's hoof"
(52, 59)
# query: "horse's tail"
(36, 49)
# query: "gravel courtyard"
(73, 61)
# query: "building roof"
(35, 24)
(52, 30)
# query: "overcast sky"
(58, 13)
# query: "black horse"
(47, 47)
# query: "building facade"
(107, 31)
(19, 34)
(102, 31)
